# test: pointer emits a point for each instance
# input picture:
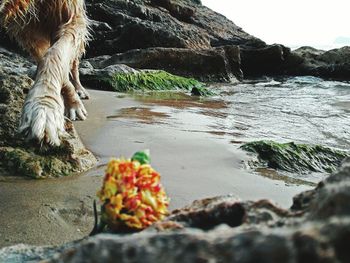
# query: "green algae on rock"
(23, 162)
(148, 80)
(152, 80)
(292, 157)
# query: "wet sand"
(193, 164)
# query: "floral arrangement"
(132, 196)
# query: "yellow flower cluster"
(132, 195)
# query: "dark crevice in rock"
(230, 214)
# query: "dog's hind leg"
(73, 106)
(83, 94)
(43, 111)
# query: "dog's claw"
(75, 109)
(83, 94)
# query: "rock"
(8, 43)
(202, 91)
(309, 53)
(293, 157)
(207, 214)
(103, 79)
(219, 64)
(332, 64)
(18, 157)
(23, 253)
(331, 197)
(336, 56)
(174, 24)
(181, 37)
(269, 60)
(121, 78)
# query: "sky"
(290, 22)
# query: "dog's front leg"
(43, 111)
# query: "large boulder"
(269, 60)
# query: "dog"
(55, 33)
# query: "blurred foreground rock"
(224, 229)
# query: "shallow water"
(300, 109)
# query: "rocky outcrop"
(186, 38)
(155, 33)
(18, 157)
(126, 25)
(332, 64)
(225, 229)
(182, 37)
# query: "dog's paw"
(82, 92)
(43, 120)
(74, 108)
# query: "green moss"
(148, 81)
(293, 157)
(24, 162)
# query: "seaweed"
(155, 80)
(294, 157)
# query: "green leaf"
(143, 157)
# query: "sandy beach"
(193, 164)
